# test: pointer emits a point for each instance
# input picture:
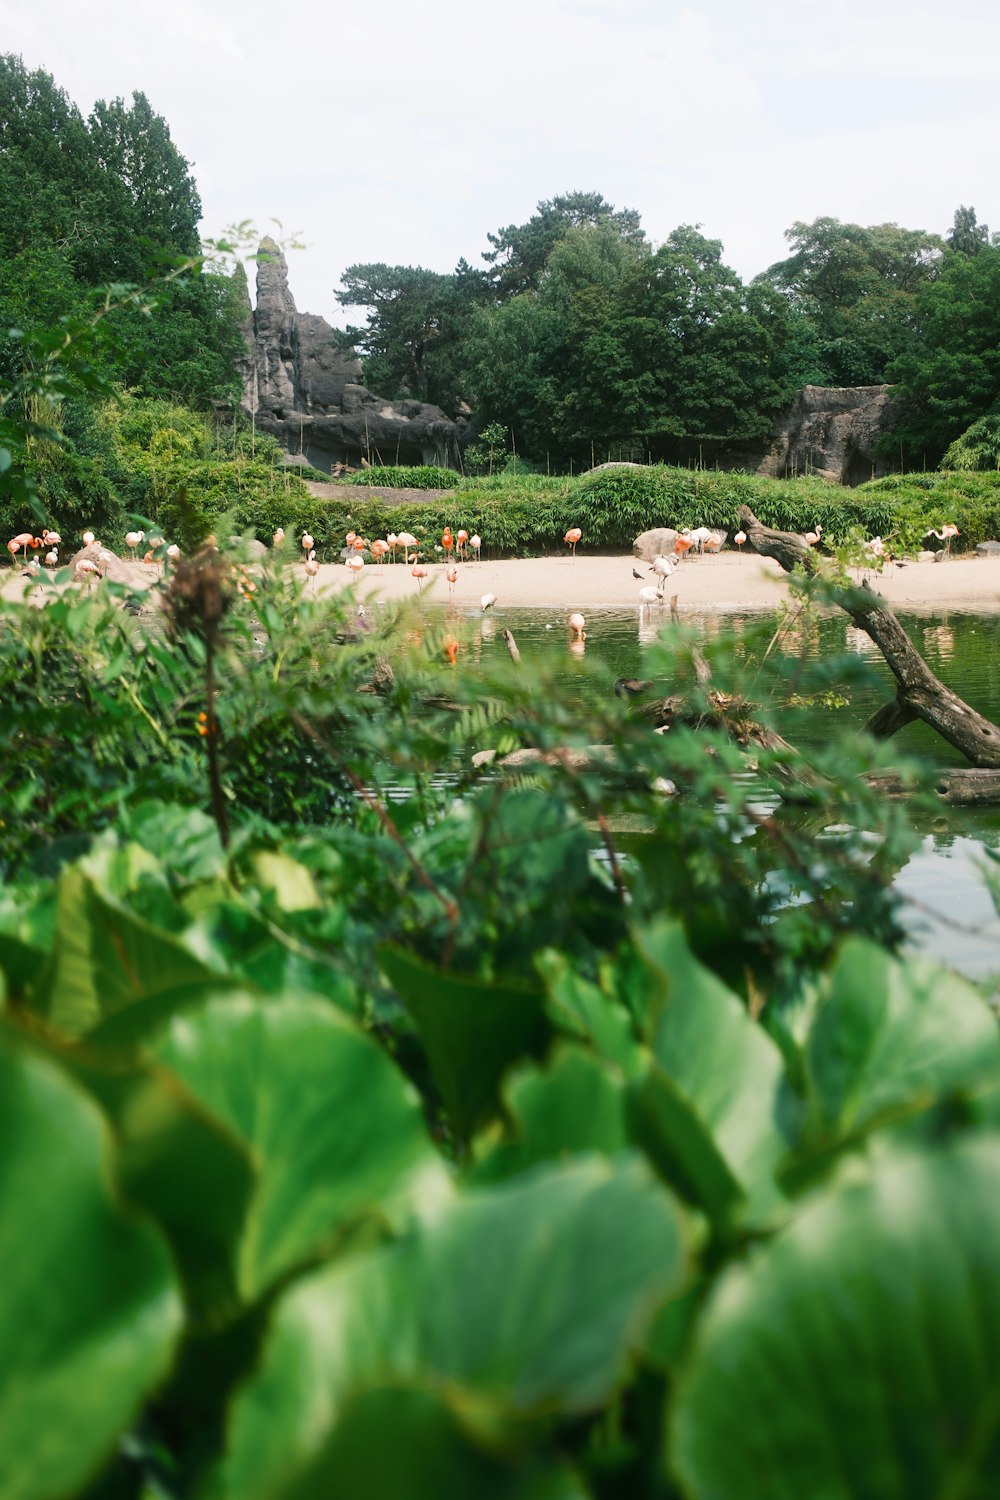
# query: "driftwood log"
(919, 693)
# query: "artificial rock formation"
(831, 432)
(298, 385)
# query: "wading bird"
(664, 568)
(649, 596)
(133, 540)
(461, 537)
(452, 577)
(487, 602)
(812, 537)
(572, 536)
(51, 558)
(279, 537)
(418, 570)
(948, 530)
(740, 538)
(576, 624)
(24, 539)
(475, 543)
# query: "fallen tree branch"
(919, 694)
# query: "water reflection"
(948, 908)
(939, 640)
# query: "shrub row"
(399, 477)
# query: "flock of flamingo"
(455, 546)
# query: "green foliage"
(950, 378)
(433, 1117)
(419, 477)
(858, 286)
(978, 447)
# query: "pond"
(948, 910)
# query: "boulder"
(656, 543)
(302, 386)
(831, 431)
(106, 562)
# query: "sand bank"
(730, 581)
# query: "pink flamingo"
(572, 536)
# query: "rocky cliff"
(299, 386)
(832, 432)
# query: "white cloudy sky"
(402, 131)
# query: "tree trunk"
(919, 694)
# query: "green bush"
(399, 477)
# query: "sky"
(406, 132)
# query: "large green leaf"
(857, 1357)
(335, 1129)
(891, 1035)
(88, 1309)
(574, 1104)
(716, 1105)
(584, 1010)
(105, 958)
(406, 1443)
(523, 1299)
(471, 1030)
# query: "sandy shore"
(730, 581)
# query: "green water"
(947, 907)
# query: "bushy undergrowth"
(400, 477)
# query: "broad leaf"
(471, 1030)
(893, 1035)
(335, 1129)
(717, 1101)
(105, 958)
(857, 1357)
(523, 1300)
(584, 1010)
(406, 1443)
(573, 1105)
(88, 1309)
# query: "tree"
(521, 251)
(967, 237)
(622, 349)
(152, 198)
(951, 376)
(857, 286)
(416, 321)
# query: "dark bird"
(631, 687)
(635, 574)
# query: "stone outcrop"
(831, 432)
(656, 543)
(298, 385)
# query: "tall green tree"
(521, 252)
(151, 193)
(417, 320)
(856, 285)
(950, 378)
(623, 349)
